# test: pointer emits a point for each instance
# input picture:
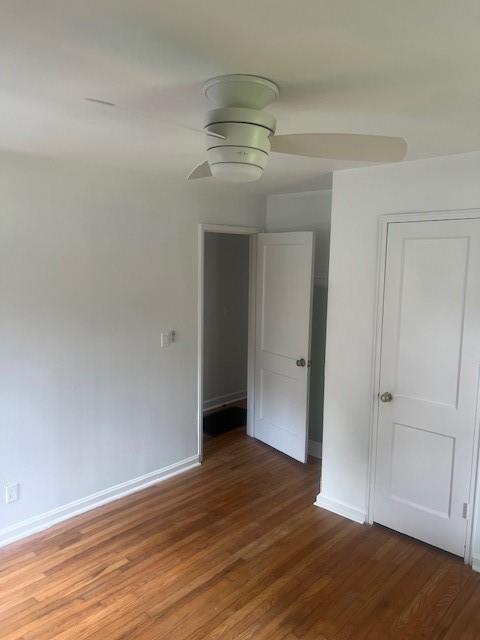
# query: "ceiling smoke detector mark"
(105, 103)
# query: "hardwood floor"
(232, 550)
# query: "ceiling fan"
(241, 136)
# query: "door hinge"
(465, 510)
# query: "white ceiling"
(395, 67)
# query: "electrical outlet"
(12, 490)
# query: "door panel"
(408, 452)
(430, 363)
(283, 316)
(284, 282)
(431, 313)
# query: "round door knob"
(301, 362)
(386, 396)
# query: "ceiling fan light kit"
(240, 135)
(243, 153)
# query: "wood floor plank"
(233, 550)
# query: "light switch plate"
(11, 492)
(166, 338)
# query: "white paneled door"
(429, 380)
(282, 352)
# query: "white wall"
(304, 211)
(93, 264)
(309, 211)
(360, 196)
(226, 275)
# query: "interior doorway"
(225, 333)
(267, 313)
(225, 306)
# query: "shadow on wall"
(319, 327)
(226, 273)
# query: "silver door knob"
(301, 362)
(386, 396)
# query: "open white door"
(282, 347)
(429, 380)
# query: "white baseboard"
(315, 448)
(341, 509)
(218, 401)
(476, 562)
(75, 508)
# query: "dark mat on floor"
(214, 424)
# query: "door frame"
(252, 268)
(474, 488)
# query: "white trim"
(228, 398)
(476, 562)
(427, 216)
(228, 229)
(340, 508)
(473, 492)
(383, 222)
(252, 301)
(315, 449)
(200, 304)
(376, 356)
(59, 514)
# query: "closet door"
(430, 362)
(282, 354)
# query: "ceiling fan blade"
(341, 146)
(214, 135)
(201, 171)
